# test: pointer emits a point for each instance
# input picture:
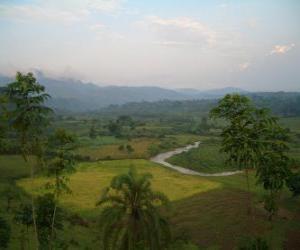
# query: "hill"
(77, 96)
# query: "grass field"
(210, 212)
(206, 158)
(91, 178)
(107, 147)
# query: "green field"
(91, 178)
(210, 212)
(207, 158)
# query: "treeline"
(280, 103)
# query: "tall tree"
(273, 165)
(130, 218)
(242, 135)
(60, 161)
(28, 116)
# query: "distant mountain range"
(73, 95)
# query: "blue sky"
(169, 43)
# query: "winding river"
(161, 159)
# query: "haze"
(253, 45)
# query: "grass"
(106, 148)
(206, 158)
(210, 212)
(112, 151)
(91, 178)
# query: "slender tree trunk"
(54, 211)
(52, 227)
(249, 209)
(25, 157)
(32, 202)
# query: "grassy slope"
(91, 178)
(209, 211)
(206, 158)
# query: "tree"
(203, 127)
(129, 149)
(60, 160)
(92, 132)
(44, 219)
(23, 217)
(4, 233)
(28, 116)
(243, 136)
(273, 165)
(115, 128)
(238, 137)
(10, 192)
(130, 218)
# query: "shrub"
(293, 183)
(4, 233)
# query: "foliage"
(5, 232)
(26, 111)
(23, 215)
(293, 183)
(45, 206)
(248, 243)
(92, 132)
(273, 167)
(60, 159)
(253, 138)
(131, 218)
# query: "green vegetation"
(130, 214)
(207, 158)
(49, 201)
(90, 175)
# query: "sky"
(202, 44)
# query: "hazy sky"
(252, 44)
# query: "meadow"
(210, 211)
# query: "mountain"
(213, 93)
(74, 95)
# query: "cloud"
(97, 27)
(105, 5)
(37, 13)
(281, 49)
(63, 11)
(244, 66)
(181, 31)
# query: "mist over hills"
(75, 96)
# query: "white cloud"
(37, 13)
(244, 66)
(97, 27)
(105, 5)
(182, 30)
(64, 11)
(281, 49)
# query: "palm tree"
(130, 218)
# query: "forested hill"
(280, 103)
(75, 96)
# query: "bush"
(248, 243)
(4, 233)
(293, 184)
